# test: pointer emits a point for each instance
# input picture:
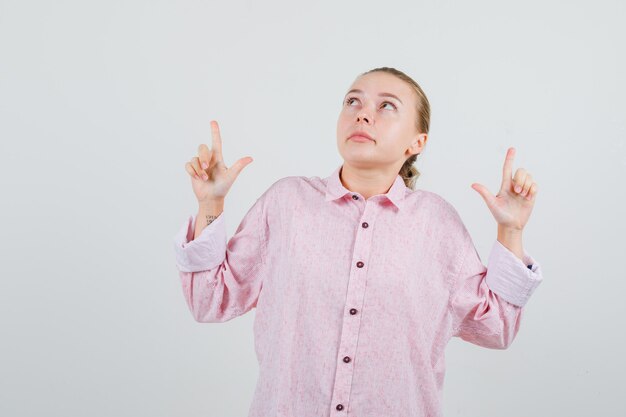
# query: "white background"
(103, 102)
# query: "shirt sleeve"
(487, 302)
(222, 279)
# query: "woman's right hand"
(210, 179)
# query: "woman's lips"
(359, 138)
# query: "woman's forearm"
(512, 240)
(207, 213)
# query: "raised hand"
(210, 178)
(512, 206)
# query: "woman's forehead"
(380, 83)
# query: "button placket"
(354, 301)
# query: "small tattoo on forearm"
(209, 219)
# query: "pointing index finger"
(217, 141)
(508, 167)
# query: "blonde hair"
(409, 172)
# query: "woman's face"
(390, 121)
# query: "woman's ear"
(418, 144)
(422, 138)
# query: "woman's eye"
(349, 102)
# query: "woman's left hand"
(513, 204)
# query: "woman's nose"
(363, 117)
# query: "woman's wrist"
(511, 238)
(211, 203)
(208, 211)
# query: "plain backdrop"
(103, 102)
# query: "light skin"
(371, 167)
(211, 179)
(512, 206)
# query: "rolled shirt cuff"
(510, 277)
(205, 252)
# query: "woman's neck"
(367, 182)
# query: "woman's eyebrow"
(356, 90)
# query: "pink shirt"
(355, 299)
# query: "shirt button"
(339, 407)
(365, 225)
(346, 359)
(353, 311)
(354, 197)
(360, 264)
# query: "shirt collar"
(335, 189)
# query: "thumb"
(239, 166)
(484, 193)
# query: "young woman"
(359, 279)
